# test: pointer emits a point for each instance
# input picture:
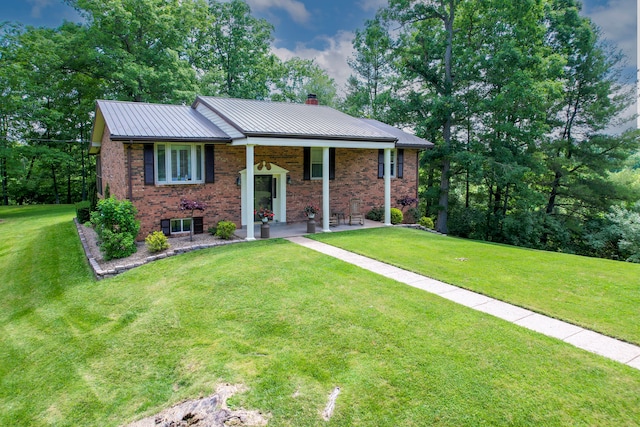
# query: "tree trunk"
(55, 184)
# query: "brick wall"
(356, 176)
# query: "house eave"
(313, 142)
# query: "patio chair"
(354, 212)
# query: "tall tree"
(231, 50)
(297, 78)
(138, 47)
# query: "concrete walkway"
(585, 339)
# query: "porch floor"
(280, 229)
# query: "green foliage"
(376, 214)
(413, 214)
(157, 241)
(396, 216)
(225, 229)
(116, 226)
(117, 244)
(426, 222)
(107, 192)
(212, 230)
(83, 211)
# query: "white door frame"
(279, 202)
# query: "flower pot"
(312, 216)
(311, 225)
(264, 229)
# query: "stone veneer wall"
(356, 176)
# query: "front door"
(263, 193)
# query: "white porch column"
(249, 197)
(387, 186)
(325, 189)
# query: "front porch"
(281, 230)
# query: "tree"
(138, 48)
(368, 87)
(297, 78)
(231, 51)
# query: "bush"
(116, 226)
(376, 214)
(225, 229)
(426, 222)
(396, 216)
(83, 211)
(412, 215)
(212, 230)
(157, 241)
(117, 245)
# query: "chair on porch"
(354, 212)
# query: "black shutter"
(332, 163)
(307, 163)
(380, 163)
(198, 227)
(165, 224)
(149, 178)
(209, 164)
(400, 160)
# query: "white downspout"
(387, 186)
(249, 196)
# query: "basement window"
(182, 225)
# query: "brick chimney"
(312, 99)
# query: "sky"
(323, 30)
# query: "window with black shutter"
(312, 163)
(209, 164)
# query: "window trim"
(182, 230)
(193, 167)
(312, 162)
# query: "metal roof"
(142, 121)
(405, 139)
(289, 120)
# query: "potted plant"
(311, 210)
(265, 215)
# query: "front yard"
(290, 324)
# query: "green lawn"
(598, 294)
(289, 323)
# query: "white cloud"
(37, 6)
(368, 5)
(296, 9)
(617, 20)
(333, 58)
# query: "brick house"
(236, 155)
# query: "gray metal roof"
(405, 140)
(280, 119)
(142, 121)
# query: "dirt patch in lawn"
(211, 411)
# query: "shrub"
(412, 215)
(117, 245)
(116, 226)
(426, 222)
(225, 229)
(396, 216)
(212, 230)
(376, 214)
(157, 241)
(83, 211)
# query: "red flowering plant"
(264, 213)
(191, 205)
(311, 210)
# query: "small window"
(393, 163)
(316, 163)
(179, 163)
(180, 225)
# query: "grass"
(598, 294)
(289, 323)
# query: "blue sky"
(323, 29)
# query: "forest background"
(519, 98)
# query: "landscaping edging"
(100, 274)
